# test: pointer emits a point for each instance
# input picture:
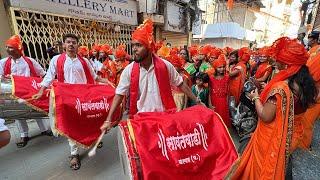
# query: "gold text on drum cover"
(173, 143)
(92, 106)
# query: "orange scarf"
(262, 69)
(236, 83)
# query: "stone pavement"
(46, 158)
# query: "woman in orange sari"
(267, 153)
(313, 113)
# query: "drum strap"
(7, 67)
(60, 68)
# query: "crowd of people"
(157, 77)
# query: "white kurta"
(20, 67)
(73, 71)
(149, 96)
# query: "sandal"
(23, 142)
(100, 145)
(75, 163)
(47, 133)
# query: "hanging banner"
(123, 11)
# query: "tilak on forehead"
(144, 34)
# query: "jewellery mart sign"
(123, 11)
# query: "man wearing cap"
(313, 43)
(149, 79)
(17, 64)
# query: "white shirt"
(97, 65)
(149, 96)
(2, 126)
(20, 67)
(73, 71)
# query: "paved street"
(46, 158)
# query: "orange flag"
(230, 4)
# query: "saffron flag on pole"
(79, 110)
(230, 4)
(190, 144)
(25, 87)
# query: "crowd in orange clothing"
(216, 75)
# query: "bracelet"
(255, 98)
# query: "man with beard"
(149, 79)
(70, 68)
(19, 65)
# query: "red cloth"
(219, 92)
(163, 80)
(190, 144)
(194, 50)
(244, 54)
(26, 87)
(7, 67)
(80, 110)
(60, 68)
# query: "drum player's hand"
(106, 126)
(38, 95)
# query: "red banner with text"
(190, 144)
(80, 110)
(25, 87)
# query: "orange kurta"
(237, 82)
(266, 155)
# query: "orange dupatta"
(266, 155)
(262, 69)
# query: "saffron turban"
(244, 54)
(144, 34)
(290, 52)
(222, 60)
(96, 47)
(120, 52)
(16, 43)
(215, 52)
(83, 51)
(193, 50)
(163, 52)
(176, 60)
(205, 50)
(106, 49)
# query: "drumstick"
(92, 152)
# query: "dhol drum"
(129, 158)
(14, 109)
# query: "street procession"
(160, 89)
